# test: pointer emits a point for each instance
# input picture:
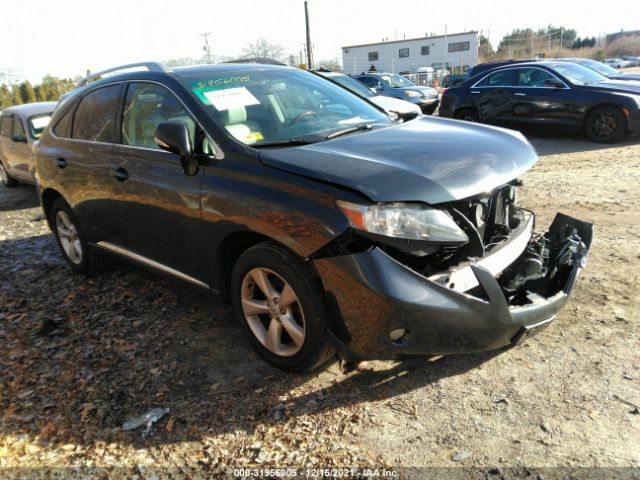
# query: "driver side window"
(18, 128)
(147, 105)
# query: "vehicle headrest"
(234, 116)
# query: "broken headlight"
(409, 221)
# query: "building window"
(403, 52)
(458, 46)
(373, 56)
(424, 50)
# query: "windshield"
(280, 105)
(352, 84)
(577, 74)
(598, 66)
(37, 124)
(397, 81)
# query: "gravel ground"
(81, 355)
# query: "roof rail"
(151, 66)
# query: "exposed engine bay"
(528, 266)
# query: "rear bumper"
(371, 294)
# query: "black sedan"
(553, 94)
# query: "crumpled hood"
(428, 159)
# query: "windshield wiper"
(349, 130)
(292, 142)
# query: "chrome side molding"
(151, 263)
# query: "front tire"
(7, 180)
(280, 308)
(467, 114)
(606, 125)
(73, 245)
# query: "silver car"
(404, 110)
(20, 127)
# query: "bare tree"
(261, 48)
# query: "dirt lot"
(81, 355)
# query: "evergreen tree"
(5, 97)
(27, 93)
(16, 96)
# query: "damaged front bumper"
(370, 295)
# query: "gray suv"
(20, 127)
(394, 85)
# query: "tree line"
(49, 90)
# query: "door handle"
(520, 94)
(476, 91)
(12, 146)
(120, 174)
(61, 162)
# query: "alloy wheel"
(273, 312)
(69, 239)
(604, 125)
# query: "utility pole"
(561, 35)
(206, 47)
(446, 47)
(309, 52)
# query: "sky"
(64, 38)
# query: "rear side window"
(96, 115)
(18, 128)
(371, 82)
(147, 105)
(506, 78)
(6, 127)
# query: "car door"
(77, 160)
(155, 205)
(6, 130)
(541, 98)
(492, 96)
(17, 150)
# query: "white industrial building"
(412, 54)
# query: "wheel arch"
(590, 110)
(49, 195)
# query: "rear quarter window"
(95, 116)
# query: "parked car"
(616, 63)
(553, 94)
(20, 127)
(394, 106)
(397, 86)
(328, 226)
(632, 60)
(606, 70)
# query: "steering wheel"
(305, 114)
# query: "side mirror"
(174, 137)
(553, 82)
(19, 138)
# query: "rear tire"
(287, 326)
(606, 125)
(76, 251)
(467, 114)
(7, 180)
